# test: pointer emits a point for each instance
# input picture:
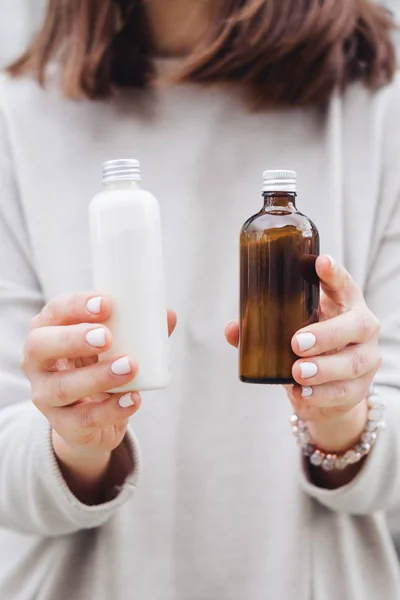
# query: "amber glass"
(279, 288)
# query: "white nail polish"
(94, 305)
(126, 401)
(308, 369)
(306, 341)
(332, 261)
(121, 366)
(96, 338)
(306, 392)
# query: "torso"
(218, 513)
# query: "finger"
(312, 403)
(352, 327)
(55, 342)
(232, 333)
(70, 309)
(350, 363)
(337, 283)
(88, 418)
(67, 387)
(172, 319)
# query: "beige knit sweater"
(221, 509)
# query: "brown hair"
(286, 52)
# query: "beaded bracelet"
(330, 462)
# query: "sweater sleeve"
(377, 485)
(33, 495)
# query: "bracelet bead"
(330, 461)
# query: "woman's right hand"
(69, 385)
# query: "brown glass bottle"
(279, 287)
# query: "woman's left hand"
(339, 355)
(339, 358)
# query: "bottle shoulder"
(122, 197)
(276, 220)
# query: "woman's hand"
(339, 358)
(69, 386)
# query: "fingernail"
(308, 369)
(332, 261)
(126, 401)
(96, 338)
(306, 341)
(307, 391)
(94, 305)
(121, 366)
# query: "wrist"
(339, 434)
(84, 470)
(335, 450)
(81, 458)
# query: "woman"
(224, 506)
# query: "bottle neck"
(122, 184)
(280, 200)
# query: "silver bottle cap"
(126, 169)
(280, 181)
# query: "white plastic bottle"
(127, 263)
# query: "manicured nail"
(306, 341)
(121, 366)
(126, 401)
(332, 261)
(307, 391)
(308, 369)
(94, 305)
(96, 338)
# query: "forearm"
(83, 472)
(92, 476)
(336, 436)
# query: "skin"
(69, 385)
(178, 25)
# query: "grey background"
(18, 21)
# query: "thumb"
(337, 283)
